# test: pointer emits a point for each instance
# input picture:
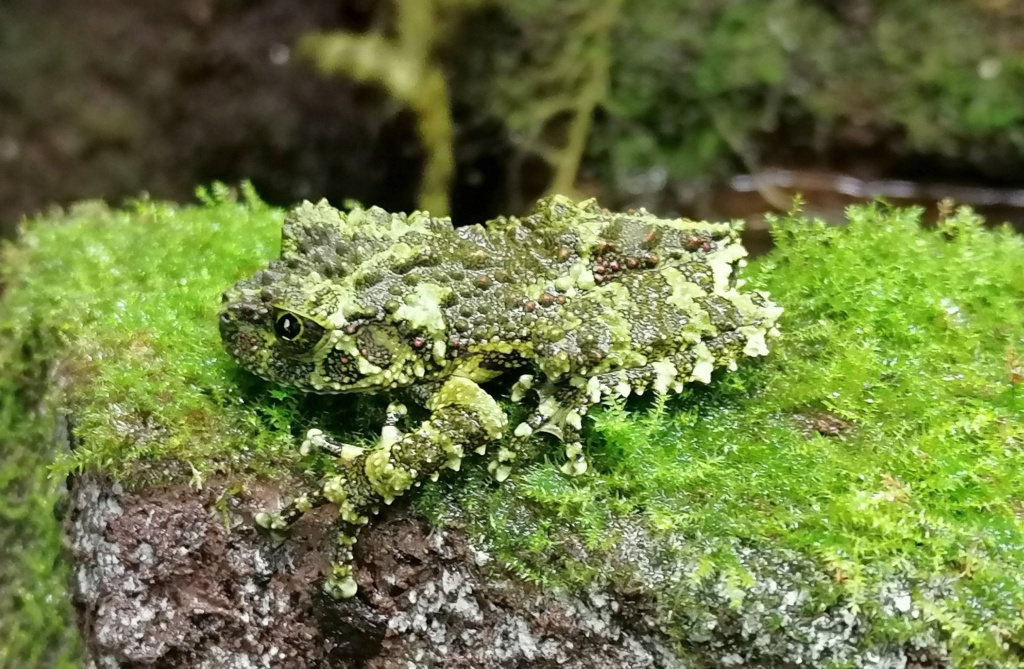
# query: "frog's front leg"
(462, 415)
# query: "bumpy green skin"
(589, 303)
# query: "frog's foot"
(516, 448)
(340, 582)
(316, 440)
(395, 413)
(345, 486)
(282, 520)
(559, 413)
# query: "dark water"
(827, 194)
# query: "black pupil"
(288, 327)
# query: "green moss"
(36, 629)
(724, 507)
(131, 299)
(121, 307)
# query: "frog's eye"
(288, 326)
(297, 335)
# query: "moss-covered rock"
(857, 496)
(853, 501)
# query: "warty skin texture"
(586, 303)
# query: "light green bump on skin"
(460, 392)
(704, 365)
(336, 492)
(683, 290)
(665, 373)
(388, 481)
(521, 387)
(723, 262)
(422, 309)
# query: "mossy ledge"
(855, 500)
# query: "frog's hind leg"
(560, 414)
(561, 410)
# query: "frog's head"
(338, 312)
(321, 335)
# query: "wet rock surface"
(169, 577)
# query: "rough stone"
(167, 577)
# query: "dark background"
(113, 98)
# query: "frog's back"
(556, 235)
(640, 288)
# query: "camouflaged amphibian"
(587, 303)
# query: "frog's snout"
(227, 325)
(238, 317)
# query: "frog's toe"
(576, 467)
(270, 521)
(340, 584)
(500, 471)
(576, 462)
(396, 411)
(501, 466)
(316, 440)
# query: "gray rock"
(169, 577)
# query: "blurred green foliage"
(696, 88)
(405, 66)
(695, 82)
(543, 83)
